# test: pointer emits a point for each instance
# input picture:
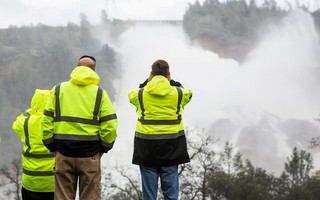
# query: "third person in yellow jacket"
(37, 160)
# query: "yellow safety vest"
(37, 161)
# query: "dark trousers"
(29, 195)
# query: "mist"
(260, 106)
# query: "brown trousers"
(68, 170)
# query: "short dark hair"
(92, 64)
(160, 67)
(87, 56)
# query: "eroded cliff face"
(236, 51)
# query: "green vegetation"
(225, 175)
(232, 28)
(41, 56)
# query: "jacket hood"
(159, 85)
(83, 75)
(38, 101)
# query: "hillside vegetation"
(232, 28)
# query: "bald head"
(88, 62)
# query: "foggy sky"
(60, 12)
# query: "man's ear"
(150, 76)
(169, 76)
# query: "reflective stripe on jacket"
(160, 138)
(79, 119)
(37, 161)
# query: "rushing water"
(261, 106)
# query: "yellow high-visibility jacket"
(79, 119)
(159, 138)
(37, 160)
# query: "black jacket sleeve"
(175, 83)
(143, 84)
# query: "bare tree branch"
(13, 175)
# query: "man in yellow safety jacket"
(37, 160)
(79, 124)
(160, 142)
